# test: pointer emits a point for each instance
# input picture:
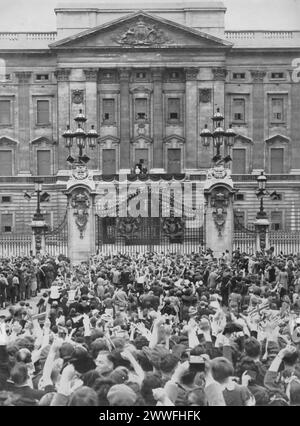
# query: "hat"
(66, 350)
(121, 395)
(119, 375)
(82, 361)
(156, 354)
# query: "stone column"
(24, 121)
(81, 220)
(295, 124)
(125, 166)
(157, 75)
(258, 119)
(219, 76)
(191, 117)
(91, 77)
(63, 113)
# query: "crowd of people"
(151, 329)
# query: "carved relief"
(80, 202)
(220, 202)
(191, 73)
(142, 34)
(91, 74)
(258, 76)
(80, 171)
(205, 95)
(23, 76)
(77, 96)
(62, 74)
(219, 73)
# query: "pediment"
(141, 139)
(4, 140)
(140, 30)
(42, 139)
(277, 138)
(108, 139)
(174, 139)
(243, 139)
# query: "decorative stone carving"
(220, 202)
(80, 202)
(62, 74)
(91, 74)
(124, 73)
(191, 73)
(77, 96)
(258, 76)
(142, 34)
(128, 227)
(205, 95)
(80, 171)
(219, 73)
(23, 76)
(173, 227)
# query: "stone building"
(149, 80)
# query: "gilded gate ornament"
(80, 202)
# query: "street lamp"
(80, 136)
(261, 193)
(218, 135)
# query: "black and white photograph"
(150, 206)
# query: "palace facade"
(149, 80)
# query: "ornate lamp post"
(218, 136)
(38, 223)
(80, 136)
(262, 223)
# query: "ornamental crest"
(142, 34)
(80, 171)
(80, 202)
(220, 202)
(173, 227)
(77, 96)
(217, 172)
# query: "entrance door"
(108, 161)
(174, 160)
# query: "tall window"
(277, 157)
(108, 111)
(238, 109)
(239, 220)
(174, 109)
(239, 161)
(6, 222)
(108, 161)
(277, 110)
(141, 109)
(5, 162)
(276, 221)
(42, 112)
(174, 160)
(5, 112)
(44, 162)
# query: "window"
(7, 77)
(277, 110)
(141, 75)
(277, 156)
(42, 77)
(141, 109)
(43, 162)
(174, 75)
(239, 161)
(238, 75)
(5, 163)
(108, 111)
(239, 220)
(108, 161)
(238, 109)
(276, 75)
(174, 160)
(6, 222)
(6, 199)
(5, 112)
(174, 109)
(276, 221)
(42, 112)
(239, 197)
(141, 154)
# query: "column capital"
(62, 74)
(23, 76)
(157, 73)
(219, 73)
(124, 73)
(257, 76)
(91, 74)
(191, 73)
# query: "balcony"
(263, 39)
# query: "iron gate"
(131, 235)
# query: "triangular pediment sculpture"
(140, 30)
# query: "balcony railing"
(262, 35)
(28, 36)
